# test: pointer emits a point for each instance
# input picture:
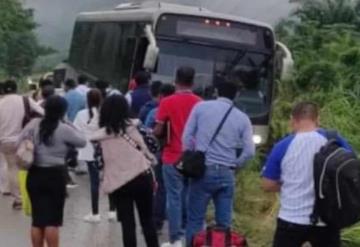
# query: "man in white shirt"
(12, 114)
(82, 86)
(289, 171)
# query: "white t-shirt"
(87, 128)
(83, 89)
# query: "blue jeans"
(94, 175)
(218, 184)
(176, 195)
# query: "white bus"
(160, 37)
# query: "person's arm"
(190, 130)
(162, 117)
(73, 137)
(271, 174)
(269, 185)
(248, 150)
(35, 107)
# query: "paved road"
(14, 226)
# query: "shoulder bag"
(192, 163)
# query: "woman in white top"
(87, 121)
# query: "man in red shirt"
(174, 112)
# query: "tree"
(327, 12)
(19, 47)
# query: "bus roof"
(151, 11)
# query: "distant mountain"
(56, 17)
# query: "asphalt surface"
(14, 226)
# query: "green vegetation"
(324, 37)
(19, 47)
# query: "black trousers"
(293, 235)
(139, 193)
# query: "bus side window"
(125, 55)
(142, 45)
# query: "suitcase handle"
(217, 228)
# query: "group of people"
(111, 133)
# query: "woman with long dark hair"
(128, 177)
(87, 121)
(46, 181)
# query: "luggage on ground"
(219, 237)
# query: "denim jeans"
(218, 184)
(176, 195)
(94, 175)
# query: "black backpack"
(337, 185)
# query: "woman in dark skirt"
(46, 181)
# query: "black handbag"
(192, 163)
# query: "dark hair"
(167, 90)
(94, 99)
(1, 88)
(82, 79)
(47, 91)
(142, 78)
(155, 88)
(115, 114)
(305, 110)
(185, 76)
(102, 86)
(227, 89)
(55, 109)
(10, 87)
(45, 82)
(70, 83)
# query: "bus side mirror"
(151, 56)
(152, 51)
(284, 61)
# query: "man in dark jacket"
(141, 95)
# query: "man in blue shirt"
(289, 170)
(218, 183)
(152, 104)
(76, 101)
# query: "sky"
(56, 17)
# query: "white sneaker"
(177, 243)
(112, 216)
(91, 218)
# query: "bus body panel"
(150, 13)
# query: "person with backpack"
(289, 170)
(216, 128)
(87, 121)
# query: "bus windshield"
(250, 70)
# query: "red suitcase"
(219, 237)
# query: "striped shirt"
(291, 163)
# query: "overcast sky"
(56, 17)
